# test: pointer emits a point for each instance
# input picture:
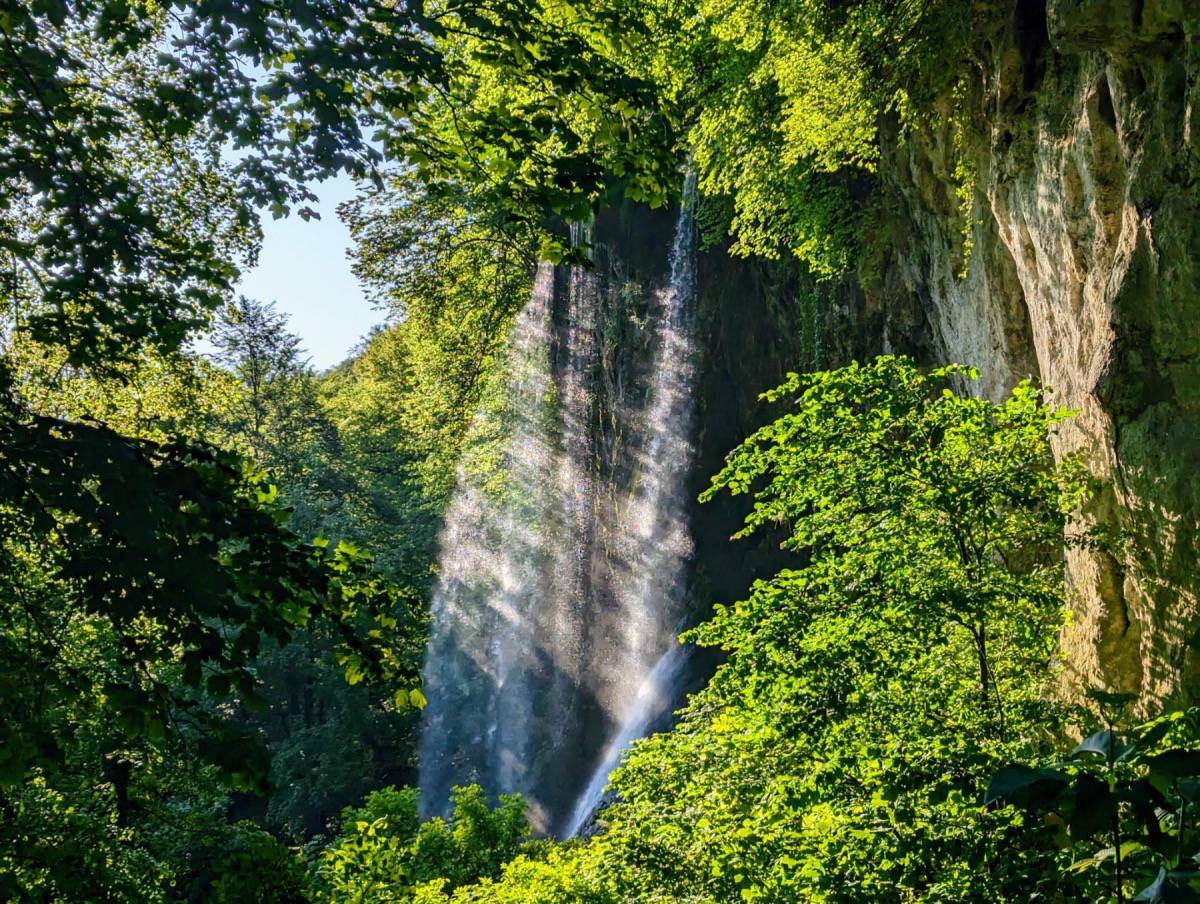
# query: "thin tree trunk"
(985, 673)
(989, 691)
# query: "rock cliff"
(1079, 131)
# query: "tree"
(146, 574)
(253, 341)
(330, 743)
(122, 221)
(454, 271)
(842, 748)
(278, 417)
(116, 116)
(937, 503)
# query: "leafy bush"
(385, 852)
(1122, 805)
(570, 873)
(256, 867)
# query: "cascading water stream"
(655, 521)
(483, 637)
(654, 700)
(561, 580)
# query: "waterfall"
(480, 662)
(561, 576)
(657, 694)
(656, 531)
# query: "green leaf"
(1025, 787)
(1100, 744)
(1175, 764)
(1092, 807)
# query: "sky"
(303, 269)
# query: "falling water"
(658, 693)
(656, 534)
(561, 580)
(656, 531)
(479, 662)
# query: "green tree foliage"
(454, 272)
(328, 742)
(845, 740)
(384, 852)
(168, 563)
(121, 225)
(351, 456)
(780, 105)
(560, 874)
(276, 412)
(131, 611)
(152, 397)
(109, 745)
(550, 119)
(148, 571)
(253, 866)
(118, 253)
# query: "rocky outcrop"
(1082, 130)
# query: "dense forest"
(776, 477)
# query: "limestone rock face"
(1083, 271)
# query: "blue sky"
(304, 270)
